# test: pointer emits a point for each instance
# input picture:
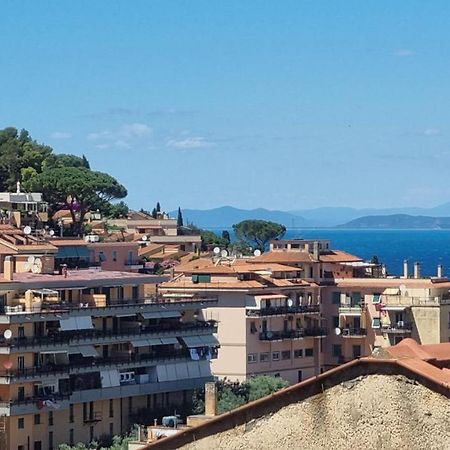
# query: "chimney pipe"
(405, 268)
(210, 399)
(8, 268)
(316, 251)
(440, 271)
(416, 270)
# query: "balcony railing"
(292, 334)
(353, 332)
(133, 262)
(283, 310)
(64, 338)
(399, 328)
(96, 365)
(348, 309)
(65, 307)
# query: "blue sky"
(280, 104)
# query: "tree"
(179, 218)
(117, 210)
(77, 189)
(258, 233)
(154, 213)
(226, 236)
(63, 160)
(158, 207)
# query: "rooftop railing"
(283, 310)
(399, 327)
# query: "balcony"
(293, 334)
(353, 332)
(350, 310)
(283, 310)
(62, 339)
(397, 328)
(96, 416)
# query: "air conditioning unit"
(127, 377)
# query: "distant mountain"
(226, 216)
(329, 216)
(398, 221)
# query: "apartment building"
(303, 307)
(84, 353)
(269, 318)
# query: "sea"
(428, 247)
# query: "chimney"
(405, 268)
(440, 271)
(316, 251)
(416, 270)
(8, 268)
(210, 399)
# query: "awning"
(125, 315)
(209, 340)
(271, 296)
(88, 350)
(393, 308)
(169, 340)
(72, 251)
(140, 343)
(391, 291)
(76, 323)
(110, 378)
(192, 341)
(351, 313)
(51, 352)
(44, 292)
(160, 314)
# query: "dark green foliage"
(117, 210)
(231, 395)
(226, 236)
(179, 218)
(258, 233)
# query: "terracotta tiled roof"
(339, 256)
(283, 257)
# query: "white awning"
(88, 350)
(391, 291)
(52, 352)
(393, 308)
(125, 315)
(76, 323)
(351, 313)
(140, 343)
(110, 378)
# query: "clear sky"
(277, 104)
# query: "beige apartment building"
(303, 307)
(85, 353)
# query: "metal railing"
(292, 334)
(399, 327)
(353, 332)
(66, 337)
(283, 310)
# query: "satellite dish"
(216, 250)
(269, 334)
(257, 252)
(36, 269)
(27, 230)
(290, 303)
(27, 266)
(337, 331)
(144, 238)
(7, 334)
(223, 253)
(31, 260)
(51, 232)
(38, 262)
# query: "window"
(309, 352)
(71, 439)
(20, 423)
(335, 321)
(130, 405)
(71, 413)
(111, 429)
(336, 298)
(114, 255)
(298, 323)
(299, 376)
(111, 407)
(37, 419)
(286, 354)
(253, 328)
(101, 256)
(337, 350)
(264, 357)
(356, 351)
(50, 440)
(251, 358)
(376, 298)
(85, 414)
(20, 363)
(298, 353)
(91, 433)
(50, 418)
(376, 322)
(21, 332)
(275, 356)
(21, 447)
(37, 445)
(356, 299)
(21, 393)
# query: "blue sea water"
(429, 247)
